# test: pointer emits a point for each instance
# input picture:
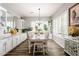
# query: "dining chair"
(30, 35)
(39, 47)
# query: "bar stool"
(39, 47)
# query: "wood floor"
(22, 50)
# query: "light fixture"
(39, 14)
(39, 17)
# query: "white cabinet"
(24, 36)
(2, 47)
(3, 19)
(8, 44)
(19, 23)
(18, 39)
(14, 42)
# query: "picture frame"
(74, 15)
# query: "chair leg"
(33, 50)
(43, 50)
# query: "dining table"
(37, 38)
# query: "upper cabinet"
(10, 22)
(7, 20)
(3, 19)
(20, 24)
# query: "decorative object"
(45, 27)
(13, 31)
(74, 20)
(74, 15)
(73, 31)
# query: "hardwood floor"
(22, 50)
(54, 49)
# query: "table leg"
(29, 47)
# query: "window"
(39, 25)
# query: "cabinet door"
(14, 41)
(8, 44)
(18, 39)
(21, 38)
(24, 36)
(2, 47)
(3, 18)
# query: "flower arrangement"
(13, 31)
(73, 31)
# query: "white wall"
(59, 38)
(63, 8)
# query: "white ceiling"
(31, 9)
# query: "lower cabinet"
(11, 42)
(8, 44)
(23, 37)
(2, 47)
(14, 42)
(18, 39)
(72, 47)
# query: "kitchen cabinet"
(24, 36)
(14, 41)
(3, 19)
(18, 39)
(2, 47)
(8, 44)
(19, 24)
(72, 46)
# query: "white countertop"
(2, 36)
(5, 35)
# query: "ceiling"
(31, 9)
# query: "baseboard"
(56, 39)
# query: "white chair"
(30, 35)
(39, 47)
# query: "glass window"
(39, 25)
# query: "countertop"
(3, 36)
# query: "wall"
(61, 14)
(64, 7)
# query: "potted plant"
(45, 27)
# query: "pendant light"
(39, 17)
